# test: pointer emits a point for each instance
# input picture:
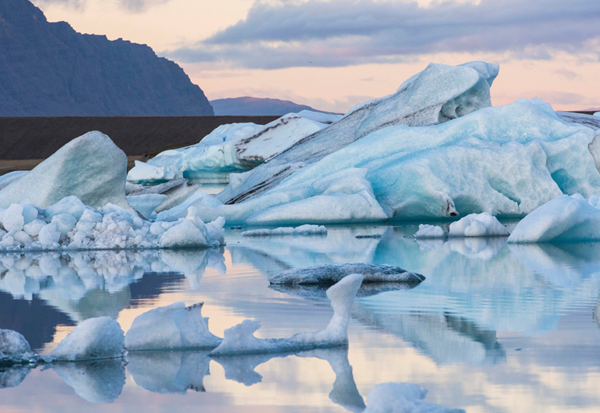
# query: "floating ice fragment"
(287, 231)
(430, 232)
(478, 225)
(95, 338)
(14, 349)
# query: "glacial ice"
(90, 167)
(567, 218)
(174, 327)
(229, 148)
(14, 349)
(402, 398)
(430, 232)
(146, 204)
(437, 94)
(580, 118)
(331, 274)
(97, 381)
(478, 225)
(456, 168)
(69, 224)
(240, 339)
(11, 177)
(287, 231)
(95, 338)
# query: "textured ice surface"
(229, 148)
(174, 327)
(90, 167)
(456, 168)
(331, 274)
(478, 225)
(436, 94)
(240, 339)
(69, 224)
(586, 120)
(98, 381)
(568, 218)
(11, 177)
(95, 338)
(14, 349)
(145, 204)
(402, 398)
(430, 231)
(287, 231)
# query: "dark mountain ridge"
(48, 69)
(250, 106)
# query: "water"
(494, 328)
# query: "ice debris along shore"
(473, 225)
(69, 224)
(230, 148)
(565, 219)
(303, 230)
(325, 275)
(240, 339)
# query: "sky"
(333, 54)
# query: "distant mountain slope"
(48, 69)
(249, 106)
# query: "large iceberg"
(568, 218)
(90, 167)
(240, 339)
(175, 327)
(95, 338)
(230, 148)
(456, 168)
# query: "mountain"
(249, 106)
(48, 69)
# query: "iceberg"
(437, 94)
(402, 398)
(287, 231)
(69, 224)
(175, 327)
(478, 225)
(92, 339)
(14, 349)
(230, 148)
(330, 274)
(430, 232)
(567, 218)
(580, 118)
(11, 177)
(240, 339)
(146, 204)
(90, 167)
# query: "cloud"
(330, 33)
(134, 6)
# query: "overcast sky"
(332, 54)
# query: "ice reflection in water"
(518, 320)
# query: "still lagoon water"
(493, 328)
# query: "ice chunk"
(146, 204)
(287, 231)
(331, 274)
(95, 338)
(402, 398)
(240, 339)
(14, 349)
(11, 177)
(174, 327)
(70, 205)
(478, 225)
(90, 167)
(437, 94)
(430, 232)
(563, 219)
(98, 381)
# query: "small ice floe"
(303, 230)
(331, 274)
(473, 225)
(174, 327)
(14, 349)
(567, 218)
(402, 398)
(240, 339)
(93, 339)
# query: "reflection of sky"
(492, 328)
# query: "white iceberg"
(69, 224)
(287, 231)
(229, 148)
(14, 349)
(478, 225)
(240, 339)
(567, 218)
(95, 338)
(402, 398)
(90, 167)
(175, 327)
(430, 232)
(331, 274)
